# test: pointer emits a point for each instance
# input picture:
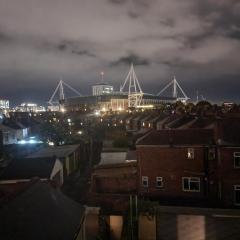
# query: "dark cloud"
(4, 38)
(83, 52)
(42, 40)
(131, 58)
(118, 1)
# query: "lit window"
(237, 194)
(145, 181)
(236, 156)
(191, 184)
(159, 182)
(190, 153)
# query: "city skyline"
(42, 41)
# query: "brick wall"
(170, 163)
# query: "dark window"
(191, 184)
(236, 156)
(237, 194)
(159, 182)
(211, 154)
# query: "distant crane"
(135, 92)
(175, 94)
(60, 91)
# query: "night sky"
(43, 40)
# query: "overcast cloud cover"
(196, 40)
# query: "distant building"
(13, 133)
(30, 107)
(110, 102)
(101, 89)
(4, 104)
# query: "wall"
(189, 224)
(172, 164)
(228, 175)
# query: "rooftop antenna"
(135, 92)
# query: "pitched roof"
(57, 151)
(230, 128)
(41, 212)
(177, 137)
(27, 168)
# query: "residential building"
(13, 133)
(172, 164)
(191, 166)
(69, 155)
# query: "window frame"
(236, 188)
(145, 178)
(190, 153)
(189, 179)
(234, 159)
(157, 181)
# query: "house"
(12, 134)
(193, 165)
(152, 122)
(172, 164)
(166, 120)
(113, 180)
(69, 155)
(116, 173)
(42, 212)
(228, 161)
(21, 171)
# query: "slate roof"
(181, 121)
(57, 151)
(177, 137)
(41, 212)
(230, 128)
(27, 168)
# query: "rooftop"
(27, 168)
(40, 212)
(57, 151)
(177, 137)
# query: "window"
(236, 156)
(6, 137)
(159, 182)
(211, 154)
(191, 184)
(237, 194)
(145, 181)
(190, 153)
